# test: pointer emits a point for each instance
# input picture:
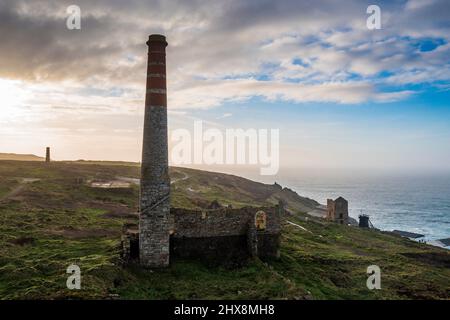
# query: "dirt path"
(186, 176)
(17, 190)
(14, 192)
(298, 226)
(138, 181)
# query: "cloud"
(225, 115)
(222, 51)
(210, 94)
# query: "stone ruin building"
(364, 221)
(337, 210)
(215, 233)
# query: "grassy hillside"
(195, 188)
(20, 157)
(50, 217)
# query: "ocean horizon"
(411, 202)
(417, 202)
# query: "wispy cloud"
(225, 115)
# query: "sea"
(408, 201)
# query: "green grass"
(192, 280)
(7, 185)
(58, 221)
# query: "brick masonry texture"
(224, 235)
(218, 236)
(155, 183)
(221, 222)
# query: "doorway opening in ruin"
(134, 249)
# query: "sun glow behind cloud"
(12, 99)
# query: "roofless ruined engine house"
(218, 234)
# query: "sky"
(341, 95)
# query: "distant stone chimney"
(154, 225)
(47, 154)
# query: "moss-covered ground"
(56, 219)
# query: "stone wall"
(228, 250)
(129, 252)
(215, 236)
(220, 236)
(224, 235)
(221, 222)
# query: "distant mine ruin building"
(337, 210)
(216, 232)
(364, 221)
(47, 154)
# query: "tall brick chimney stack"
(155, 182)
(47, 154)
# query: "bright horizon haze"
(342, 96)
